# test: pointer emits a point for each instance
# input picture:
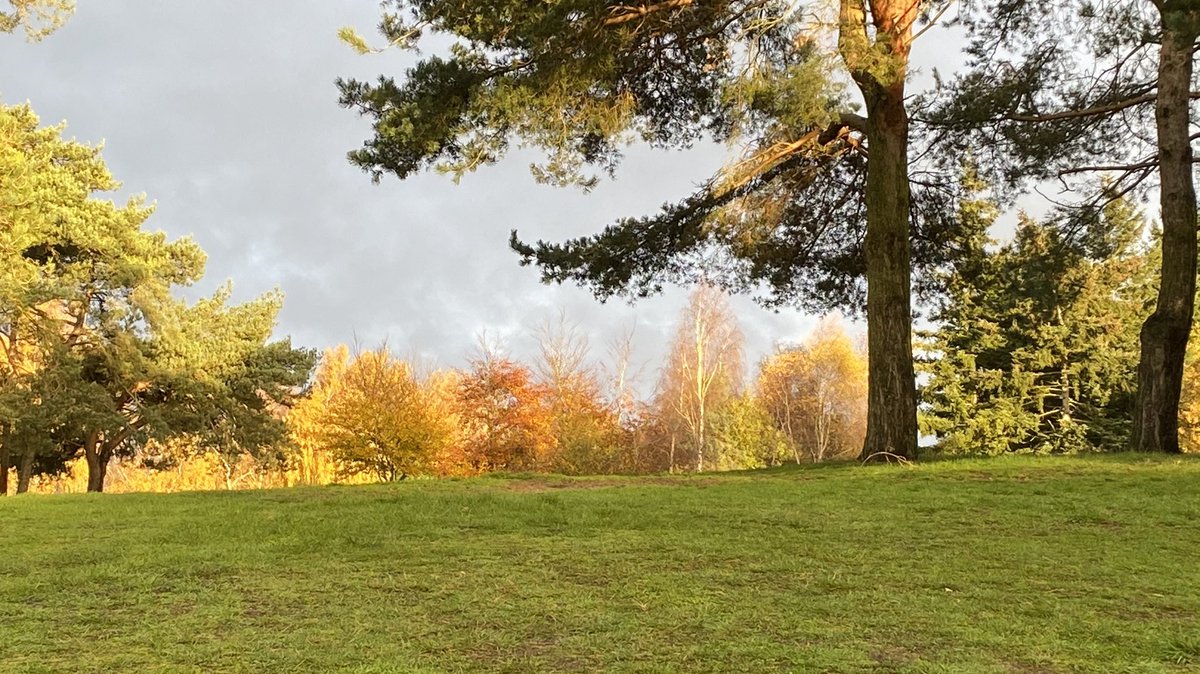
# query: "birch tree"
(703, 370)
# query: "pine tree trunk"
(4, 466)
(891, 387)
(1164, 335)
(97, 462)
(25, 471)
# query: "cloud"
(225, 114)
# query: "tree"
(504, 415)
(38, 408)
(820, 199)
(744, 436)
(380, 420)
(586, 428)
(1036, 347)
(37, 18)
(307, 421)
(816, 393)
(703, 371)
(1042, 112)
(1189, 402)
(105, 358)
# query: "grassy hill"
(1011, 565)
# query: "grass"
(1010, 565)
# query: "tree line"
(844, 190)
(372, 416)
(848, 193)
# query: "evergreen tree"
(96, 356)
(820, 209)
(1059, 90)
(1036, 347)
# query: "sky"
(224, 114)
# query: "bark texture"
(4, 465)
(97, 455)
(891, 386)
(1164, 335)
(24, 471)
(878, 62)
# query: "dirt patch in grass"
(552, 484)
(889, 658)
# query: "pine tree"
(96, 355)
(1036, 347)
(819, 209)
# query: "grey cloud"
(224, 113)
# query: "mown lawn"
(1012, 565)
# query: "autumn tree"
(586, 427)
(504, 415)
(1063, 90)
(1189, 402)
(379, 419)
(818, 202)
(703, 371)
(36, 18)
(816, 393)
(744, 436)
(442, 389)
(313, 463)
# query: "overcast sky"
(225, 115)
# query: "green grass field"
(1008, 566)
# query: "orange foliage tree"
(586, 427)
(504, 417)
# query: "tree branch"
(626, 13)
(1115, 106)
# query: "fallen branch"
(888, 456)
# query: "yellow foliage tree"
(37, 18)
(703, 371)
(816, 393)
(1189, 400)
(312, 463)
(379, 420)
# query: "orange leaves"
(504, 416)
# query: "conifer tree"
(819, 209)
(1063, 90)
(96, 355)
(1037, 340)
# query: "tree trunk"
(97, 462)
(1164, 335)
(875, 49)
(4, 465)
(25, 471)
(228, 473)
(671, 460)
(891, 385)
